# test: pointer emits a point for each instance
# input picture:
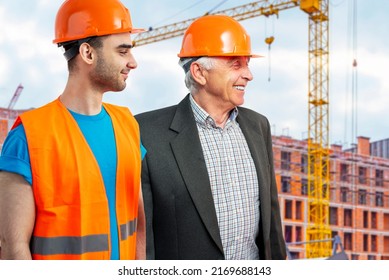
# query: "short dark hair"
(95, 42)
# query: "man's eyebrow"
(231, 60)
(125, 46)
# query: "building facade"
(7, 118)
(359, 197)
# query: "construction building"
(8, 115)
(380, 148)
(359, 196)
(7, 118)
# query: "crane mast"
(318, 103)
(318, 133)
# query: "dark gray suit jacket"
(180, 213)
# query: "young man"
(70, 170)
(208, 178)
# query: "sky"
(359, 97)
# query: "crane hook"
(269, 40)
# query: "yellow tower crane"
(318, 233)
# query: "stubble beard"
(106, 78)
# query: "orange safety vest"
(72, 215)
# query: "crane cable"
(354, 91)
(353, 79)
(217, 6)
(269, 40)
(176, 14)
(352, 32)
(183, 10)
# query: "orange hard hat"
(79, 19)
(216, 35)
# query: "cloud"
(36, 62)
(157, 82)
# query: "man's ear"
(198, 73)
(87, 53)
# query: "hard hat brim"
(221, 55)
(137, 30)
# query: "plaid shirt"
(234, 183)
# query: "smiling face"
(113, 64)
(226, 81)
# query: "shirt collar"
(204, 119)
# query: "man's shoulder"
(115, 106)
(157, 116)
(246, 112)
(42, 108)
(155, 125)
(120, 111)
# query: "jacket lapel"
(189, 156)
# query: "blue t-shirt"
(98, 132)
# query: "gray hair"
(204, 61)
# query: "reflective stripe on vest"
(69, 244)
(128, 229)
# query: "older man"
(208, 177)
